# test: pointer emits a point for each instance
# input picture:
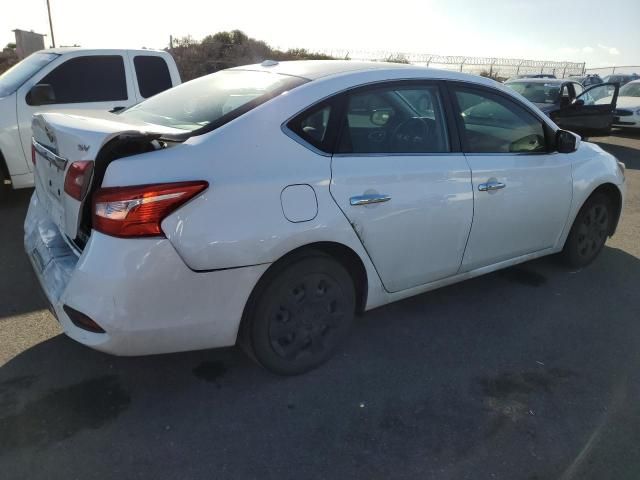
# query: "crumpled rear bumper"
(52, 259)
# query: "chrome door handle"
(368, 199)
(487, 187)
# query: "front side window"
(152, 74)
(211, 100)
(88, 79)
(493, 124)
(578, 88)
(394, 120)
(22, 71)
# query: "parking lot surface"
(529, 373)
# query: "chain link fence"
(624, 70)
(494, 67)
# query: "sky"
(600, 33)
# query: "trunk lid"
(59, 139)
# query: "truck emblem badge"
(83, 148)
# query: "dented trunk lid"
(59, 139)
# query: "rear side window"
(493, 124)
(153, 75)
(394, 120)
(89, 79)
(312, 126)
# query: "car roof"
(63, 50)
(316, 69)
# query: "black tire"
(589, 232)
(300, 314)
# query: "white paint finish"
(419, 235)
(299, 203)
(16, 114)
(527, 215)
(150, 298)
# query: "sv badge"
(83, 148)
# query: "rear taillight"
(33, 154)
(137, 211)
(78, 178)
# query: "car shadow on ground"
(452, 381)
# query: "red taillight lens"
(33, 154)
(78, 178)
(138, 211)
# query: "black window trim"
(549, 133)
(338, 100)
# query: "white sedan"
(268, 204)
(627, 114)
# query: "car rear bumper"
(139, 291)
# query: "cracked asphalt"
(530, 373)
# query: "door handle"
(369, 199)
(116, 109)
(490, 186)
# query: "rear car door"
(591, 113)
(522, 190)
(89, 82)
(400, 179)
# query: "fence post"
(518, 69)
(462, 64)
(613, 71)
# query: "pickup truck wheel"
(589, 232)
(301, 315)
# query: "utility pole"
(53, 40)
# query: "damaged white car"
(269, 204)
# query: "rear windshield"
(13, 78)
(210, 101)
(537, 92)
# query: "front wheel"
(589, 232)
(300, 315)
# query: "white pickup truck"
(64, 79)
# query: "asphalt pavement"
(529, 373)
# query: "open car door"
(591, 113)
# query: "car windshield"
(537, 92)
(13, 78)
(630, 90)
(212, 99)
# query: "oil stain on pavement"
(61, 413)
(210, 371)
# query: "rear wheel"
(589, 232)
(300, 315)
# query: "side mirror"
(566, 141)
(41, 94)
(578, 102)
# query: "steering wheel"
(411, 134)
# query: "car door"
(401, 181)
(591, 113)
(522, 191)
(88, 82)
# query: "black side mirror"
(566, 142)
(578, 102)
(41, 94)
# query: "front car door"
(400, 179)
(522, 191)
(88, 82)
(591, 113)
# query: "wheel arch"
(4, 168)
(615, 196)
(340, 252)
